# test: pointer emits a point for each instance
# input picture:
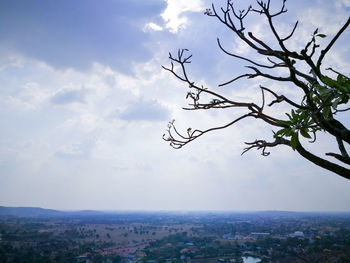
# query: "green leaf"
(316, 31)
(328, 81)
(282, 122)
(290, 117)
(347, 86)
(326, 111)
(305, 134)
(324, 91)
(340, 78)
(289, 132)
(336, 102)
(321, 35)
(280, 132)
(334, 83)
(294, 141)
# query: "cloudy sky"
(84, 103)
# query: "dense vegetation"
(171, 237)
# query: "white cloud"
(10, 61)
(30, 97)
(240, 47)
(174, 16)
(106, 161)
(145, 111)
(342, 3)
(69, 95)
(152, 27)
(77, 150)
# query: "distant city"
(43, 235)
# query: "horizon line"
(180, 210)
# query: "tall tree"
(325, 91)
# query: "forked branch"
(313, 112)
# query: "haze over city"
(84, 103)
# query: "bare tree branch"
(318, 104)
(283, 98)
(261, 144)
(249, 60)
(291, 34)
(178, 140)
(324, 52)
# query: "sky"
(84, 103)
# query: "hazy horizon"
(177, 211)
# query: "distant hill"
(29, 212)
(41, 212)
(36, 212)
